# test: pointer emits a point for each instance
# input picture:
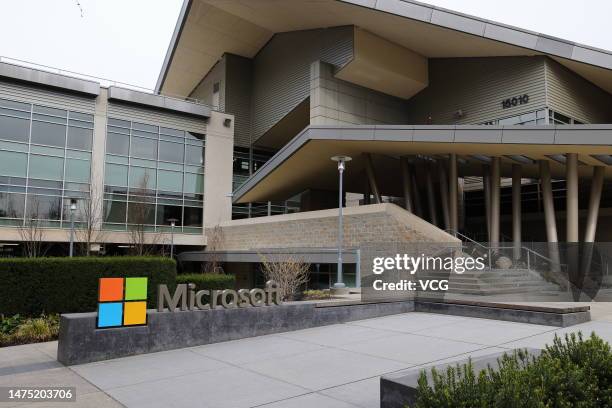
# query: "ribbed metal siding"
(238, 96)
(156, 117)
(576, 97)
(281, 71)
(477, 86)
(41, 96)
(204, 91)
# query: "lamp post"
(172, 222)
(73, 208)
(341, 160)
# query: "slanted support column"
(594, 201)
(431, 195)
(486, 186)
(366, 189)
(444, 194)
(547, 201)
(572, 196)
(406, 183)
(372, 178)
(453, 192)
(495, 174)
(516, 210)
(418, 210)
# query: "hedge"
(569, 373)
(208, 281)
(31, 286)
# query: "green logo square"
(135, 288)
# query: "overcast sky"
(126, 40)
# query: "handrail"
(457, 234)
(102, 81)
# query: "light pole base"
(339, 289)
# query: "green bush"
(570, 373)
(210, 281)
(43, 328)
(31, 286)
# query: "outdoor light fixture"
(172, 222)
(73, 207)
(341, 160)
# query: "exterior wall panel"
(477, 86)
(41, 96)
(238, 96)
(204, 91)
(575, 97)
(135, 113)
(281, 71)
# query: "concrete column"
(406, 183)
(596, 190)
(367, 193)
(516, 210)
(444, 194)
(97, 160)
(452, 192)
(431, 195)
(486, 187)
(418, 209)
(372, 178)
(571, 180)
(547, 201)
(495, 201)
(461, 203)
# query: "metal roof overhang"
(304, 163)
(207, 29)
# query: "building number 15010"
(515, 101)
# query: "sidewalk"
(334, 366)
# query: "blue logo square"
(110, 314)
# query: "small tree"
(32, 233)
(91, 218)
(142, 243)
(288, 272)
(214, 242)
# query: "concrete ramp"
(319, 229)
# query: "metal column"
(418, 210)
(571, 180)
(516, 210)
(547, 201)
(495, 200)
(406, 183)
(444, 194)
(486, 187)
(431, 195)
(596, 190)
(452, 192)
(372, 177)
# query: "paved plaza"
(334, 366)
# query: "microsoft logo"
(122, 302)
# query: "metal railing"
(104, 82)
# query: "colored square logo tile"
(111, 289)
(135, 313)
(135, 288)
(110, 314)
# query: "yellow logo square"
(134, 313)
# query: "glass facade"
(153, 174)
(45, 161)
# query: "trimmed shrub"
(32, 286)
(209, 281)
(570, 373)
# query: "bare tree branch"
(289, 273)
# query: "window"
(166, 212)
(116, 175)
(79, 138)
(142, 178)
(169, 180)
(194, 183)
(77, 170)
(141, 213)
(49, 134)
(13, 164)
(46, 167)
(117, 144)
(114, 211)
(44, 207)
(16, 129)
(193, 216)
(171, 152)
(12, 205)
(194, 155)
(144, 148)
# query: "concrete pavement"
(334, 366)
